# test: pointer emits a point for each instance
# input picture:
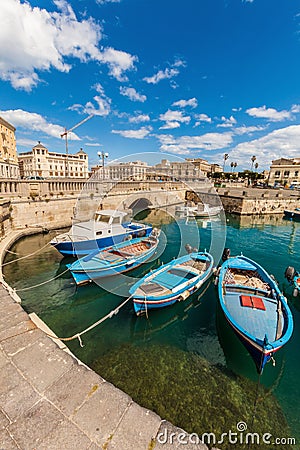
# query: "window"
(286, 173)
(277, 173)
(296, 173)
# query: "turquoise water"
(180, 340)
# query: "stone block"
(75, 387)
(16, 394)
(3, 422)
(12, 320)
(3, 359)
(136, 429)
(6, 442)
(101, 413)
(65, 436)
(33, 427)
(16, 344)
(42, 363)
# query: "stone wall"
(5, 218)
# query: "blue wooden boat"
(292, 214)
(293, 277)
(255, 308)
(172, 282)
(114, 260)
(108, 227)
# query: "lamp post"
(226, 156)
(253, 159)
(102, 155)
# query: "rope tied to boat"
(94, 325)
(42, 283)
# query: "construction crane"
(65, 134)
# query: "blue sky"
(197, 78)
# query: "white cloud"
(173, 119)
(132, 94)
(140, 118)
(183, 103)
(170, 125)
(283, 142)
(34, 122)
(99, 106)
(134, 134)
(118, 62)
(161, 75)
(248, 130)
(227, 122)
(23, 142)
(90, 144)
(48, 40)
(269, 113)
(190, 144)
(202, 118)
(101, 2)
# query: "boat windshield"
(102, 218)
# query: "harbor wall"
(249, 201)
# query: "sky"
(198, 78)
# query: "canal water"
(184, 362)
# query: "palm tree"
(234, 165)
(256, 166)
(253, 159)
(226, 156)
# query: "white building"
(136, 170)
(39, 162)
(285, 171)
(9, 167)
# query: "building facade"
(39, 162)
(9, 167)
(179, 170)
(284, 171)
(133, 170)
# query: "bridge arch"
(140, 204)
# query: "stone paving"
(51, 401)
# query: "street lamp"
(226, 156)
(102, 155)
(253, 159)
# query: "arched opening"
(139, 205)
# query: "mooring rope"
(42, 283)
(26, 256)
(78, 335)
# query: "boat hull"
(250, 321)
(84, 247)
(141, 307)
(86, 270)
(180, 292)
(292, 215)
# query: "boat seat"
(250, 301)
(151, 288)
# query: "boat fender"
(226, 254)
(127, 238)
(289, 273)
(295, 292)
(183, 296)
(188, 248)
(216, 281)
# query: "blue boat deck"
(256, 322)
